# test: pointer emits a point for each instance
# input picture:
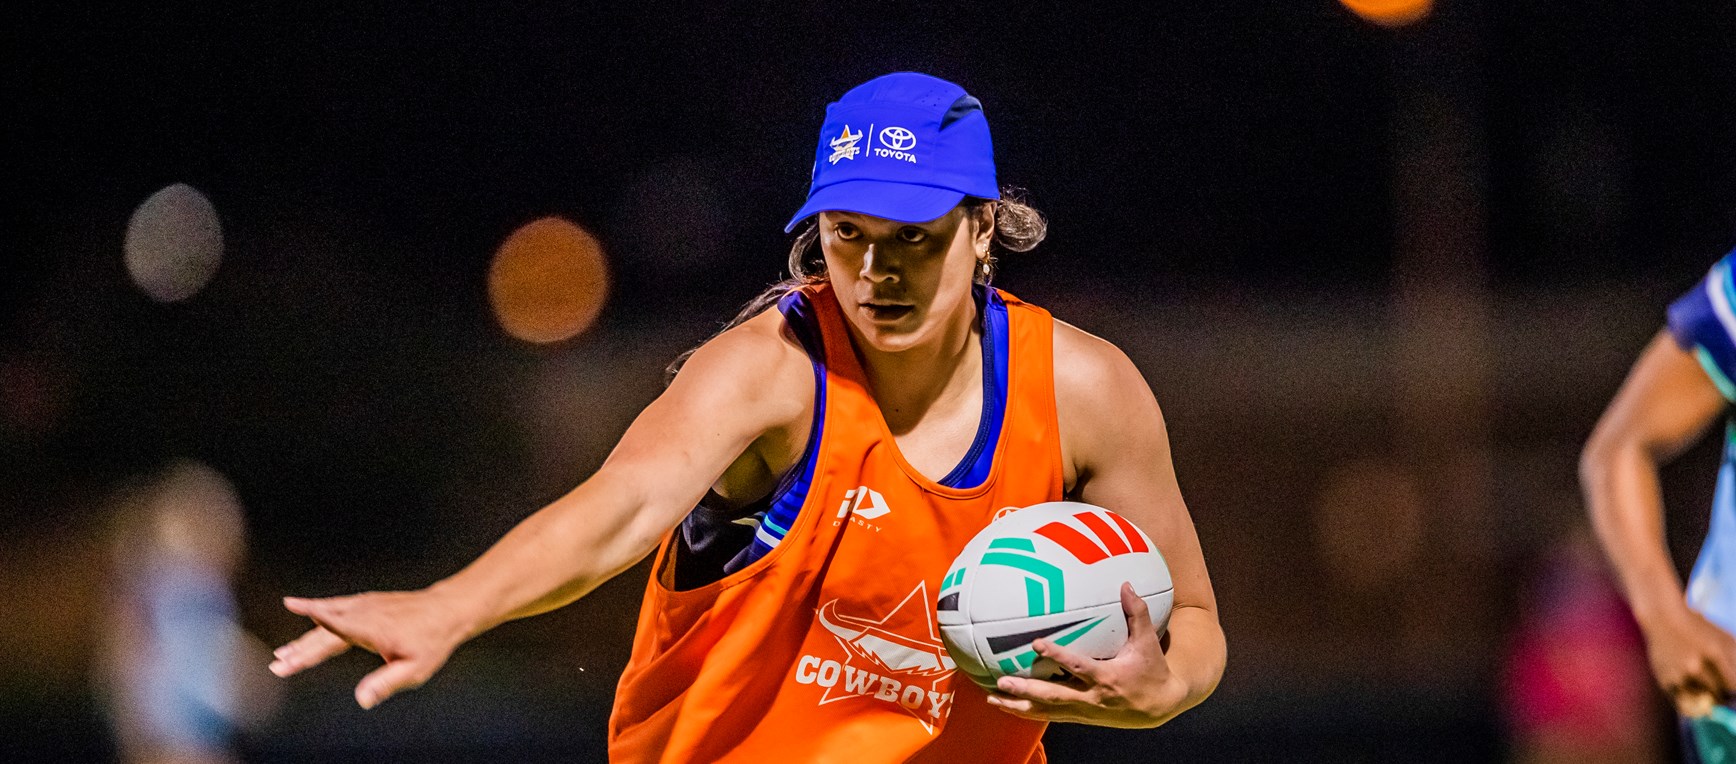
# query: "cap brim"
(903, 202)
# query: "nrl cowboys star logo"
(896, 659)
(844, 146)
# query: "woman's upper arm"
(1114, 436)
(1664, 406)
(738, 387)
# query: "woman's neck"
(909, 383)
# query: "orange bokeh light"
(548, 281)
(1390, 13)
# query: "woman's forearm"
(1664, 406)
(1196, 652)
(1621, 487)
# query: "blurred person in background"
(177, 672)
(1679, 387)
(863, 379)
(1576, 688)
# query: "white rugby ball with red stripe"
(1051, 571)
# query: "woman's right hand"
(415, 632)
(1693, 660)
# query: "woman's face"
(902, 285)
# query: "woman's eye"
(845, 231)
(911, 235)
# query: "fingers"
(308, 650)
(1719, 674)
(388, 680)
(1697, 692)
(1040, 699)
(1076, 663)
(1693, 704)
(1018, 707)
(1025, 708)
(337, 615)
(377, 622)
(1040, 691)
(304, 606)
(1139, 625)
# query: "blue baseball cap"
(905, 147)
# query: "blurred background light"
(548, 281)
(174, 243)
(1390, 13)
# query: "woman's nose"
(876, 266)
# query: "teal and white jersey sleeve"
(1704, 323)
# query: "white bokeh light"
(174, 243)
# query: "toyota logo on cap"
(897, 138)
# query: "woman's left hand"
(1133, 689)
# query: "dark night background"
(1338, 250)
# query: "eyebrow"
(857, 218)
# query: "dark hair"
(1019, 227)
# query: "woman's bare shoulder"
(1090, 369)
(759, 362)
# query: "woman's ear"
(984, 232)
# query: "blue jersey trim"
(792, 490)
(980, 459)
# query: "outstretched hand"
(1133, 689)
(412, 631)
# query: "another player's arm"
(741, 386)
(1665, 405)
(1118, 451)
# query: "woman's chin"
(891, 339)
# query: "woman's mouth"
(886, 312)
